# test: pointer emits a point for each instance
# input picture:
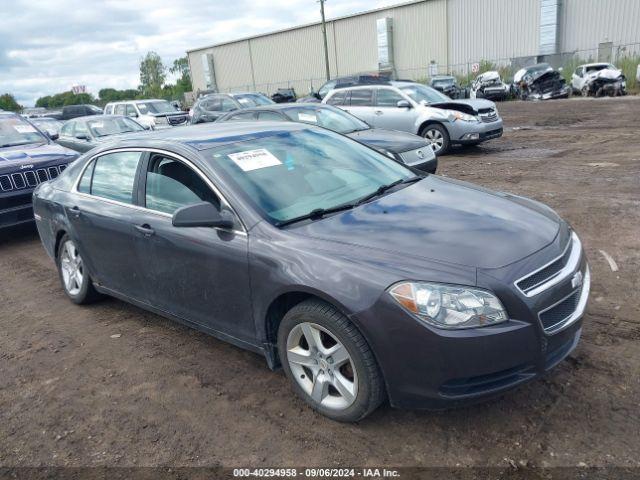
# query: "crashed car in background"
(489, 85)
(447, 85)
(540, 82)
(284, 95)
(598, 79)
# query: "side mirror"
(403, 104)
(203, 214)
(133, 115)
(53, 136)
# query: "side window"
(242, 117)
(81, 129)
(270, 116)
(228, 104)
(362, 97)
(387, 98)
(67, 129)
(114, 175)
(337, 98)
(171, 184)
(131, 111)
(84, 185)
(108, 110)
(120, 109)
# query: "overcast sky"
(46, 46)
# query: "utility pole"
(324, 36)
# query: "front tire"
(328, 362)
(438, 137)
(74, 276)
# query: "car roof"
(284, 106)
(596, 64)
(138, 101)
(96, 117)
(209, 135)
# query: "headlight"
(161, 120)
(455, 115)
(449, 306)
(387, 153)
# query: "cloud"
(50, 45)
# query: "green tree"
(8, 102)
(181, 68)
(63, 99)
(152, 75)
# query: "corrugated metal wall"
(585, 23)
(492, 30)
(451, 33)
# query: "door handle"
(75, 212)
(145, 229)
(378, 112)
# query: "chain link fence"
(624, 56)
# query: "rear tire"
(328, 362)
(438, 137)
(74, 276)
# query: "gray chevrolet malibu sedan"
(421, 110)
(363, 280)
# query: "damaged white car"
(489, 85)
(598, 79)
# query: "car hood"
(470, 106)
(392, 140)
(35, 153)
(446, 221)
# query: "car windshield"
(422, 93)
(156, 107)
(16, 131)
(597, 68)
(327, 117)
(253, 99)
(104, 127)
(292, 173)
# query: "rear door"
(361, 104)
(387, 114)
(103, 218)
(198, 274)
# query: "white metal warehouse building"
(421, 38)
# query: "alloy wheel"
(72, 268)
(435, 138)
(322, 366)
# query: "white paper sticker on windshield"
(254, 159)
(24, 129)
(97, 125)
(307, 117)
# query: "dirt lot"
(161, 394)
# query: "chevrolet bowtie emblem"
(576, 281)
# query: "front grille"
(488, 115)
(177, 120)
(5, 183)
(18, 180)
(29, 178)
(527, 284)
(555, 316)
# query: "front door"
(198, 274)
(388, 115)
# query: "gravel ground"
(113, 385)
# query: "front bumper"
(16, 208)
(426, 367)
(467, 133)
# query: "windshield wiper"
(383, 188)
(316, 214)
